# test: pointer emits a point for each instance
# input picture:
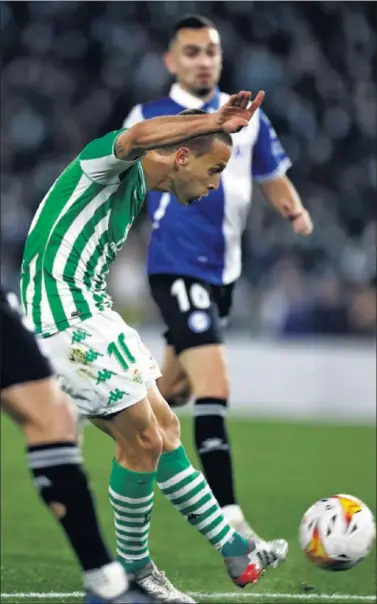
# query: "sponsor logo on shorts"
(104, 375)
(116, 396)
(79, 335)
(199, 321)
(92, 355)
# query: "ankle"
(236, 546)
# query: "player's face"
(196, 176)
(195, 59)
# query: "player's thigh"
(207, 369)
(223, 298)
(192, 316)
(41, 409)
(173, 383)
(102, 364)
(136, 433)
(188, 309)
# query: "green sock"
(131, 497)
(189, 492)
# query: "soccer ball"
(338, 532)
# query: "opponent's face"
(195, 59)
(195, 176)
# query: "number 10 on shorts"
(121, 352)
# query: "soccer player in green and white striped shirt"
(101, 362)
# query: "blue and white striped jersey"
(204, 240)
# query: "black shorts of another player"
(21, 360)
(194, 311)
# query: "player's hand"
(302, 223)
(238, 111)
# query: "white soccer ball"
(338, 532)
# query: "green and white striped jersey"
(76, 233)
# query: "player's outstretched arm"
(170, 130)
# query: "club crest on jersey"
(199, 321)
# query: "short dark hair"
(200, 144)
(192, 22)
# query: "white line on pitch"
(214, 596)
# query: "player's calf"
(138, 448)
(168, 423)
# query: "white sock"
(109, 581)
(233, 514)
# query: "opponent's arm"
(171, 130)
(269, 166)
(284, 198)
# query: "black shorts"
(194, 311)
(21, 360)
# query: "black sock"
(63, 486)
(213, 448)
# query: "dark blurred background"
(72, 70)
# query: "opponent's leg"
(189, 492)
(195, 358)
(31, 397)
(207, 370)
(43, 413)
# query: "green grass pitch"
(281, 468)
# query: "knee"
(174, 426)
(151, 442)
(170, 430)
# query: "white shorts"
(102, 364)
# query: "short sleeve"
(269, 158)
(99, 162)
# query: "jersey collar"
(189, 101)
